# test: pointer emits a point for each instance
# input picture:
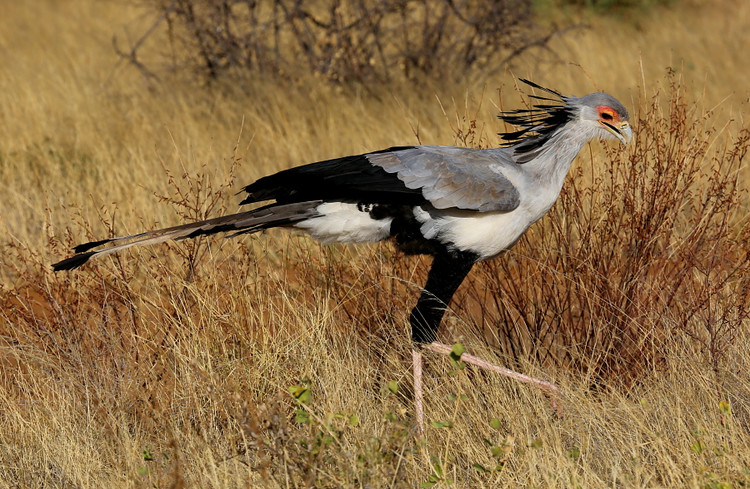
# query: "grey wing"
(450, 177)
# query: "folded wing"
(441, 176)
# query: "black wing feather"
(348, 178)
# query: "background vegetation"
(366, 42)
(275, 362)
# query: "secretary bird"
(459, 205)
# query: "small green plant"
(147, 456)
(455, 358)
(320, 447)
(302, 395)
(500, 450)
(712, 453)
(437, 475)
(158, 470)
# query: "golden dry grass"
(135, 372)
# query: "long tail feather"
(269, 216)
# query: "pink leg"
(416, 356)
(552, 390)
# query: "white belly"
(485, 233)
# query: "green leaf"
(437, 467)
(301, 416)
(147, 456)
(301, 393)
(480, 468)
(574, 453)
(495, 423)
(458, 366)
(353, 420)
(698, 447)
(442, 424)
(456, 352)
(725, 407)
(393, 386)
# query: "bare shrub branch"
(363, 41)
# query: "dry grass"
(172, 366)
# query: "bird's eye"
(607, 116)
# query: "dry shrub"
(367, 42)
(646, 249)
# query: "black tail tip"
(87, 246)
(73, 262)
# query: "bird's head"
(608, 115)
(597, 114)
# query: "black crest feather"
(537, 123)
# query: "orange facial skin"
(608, 114)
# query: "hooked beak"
(621, 131)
